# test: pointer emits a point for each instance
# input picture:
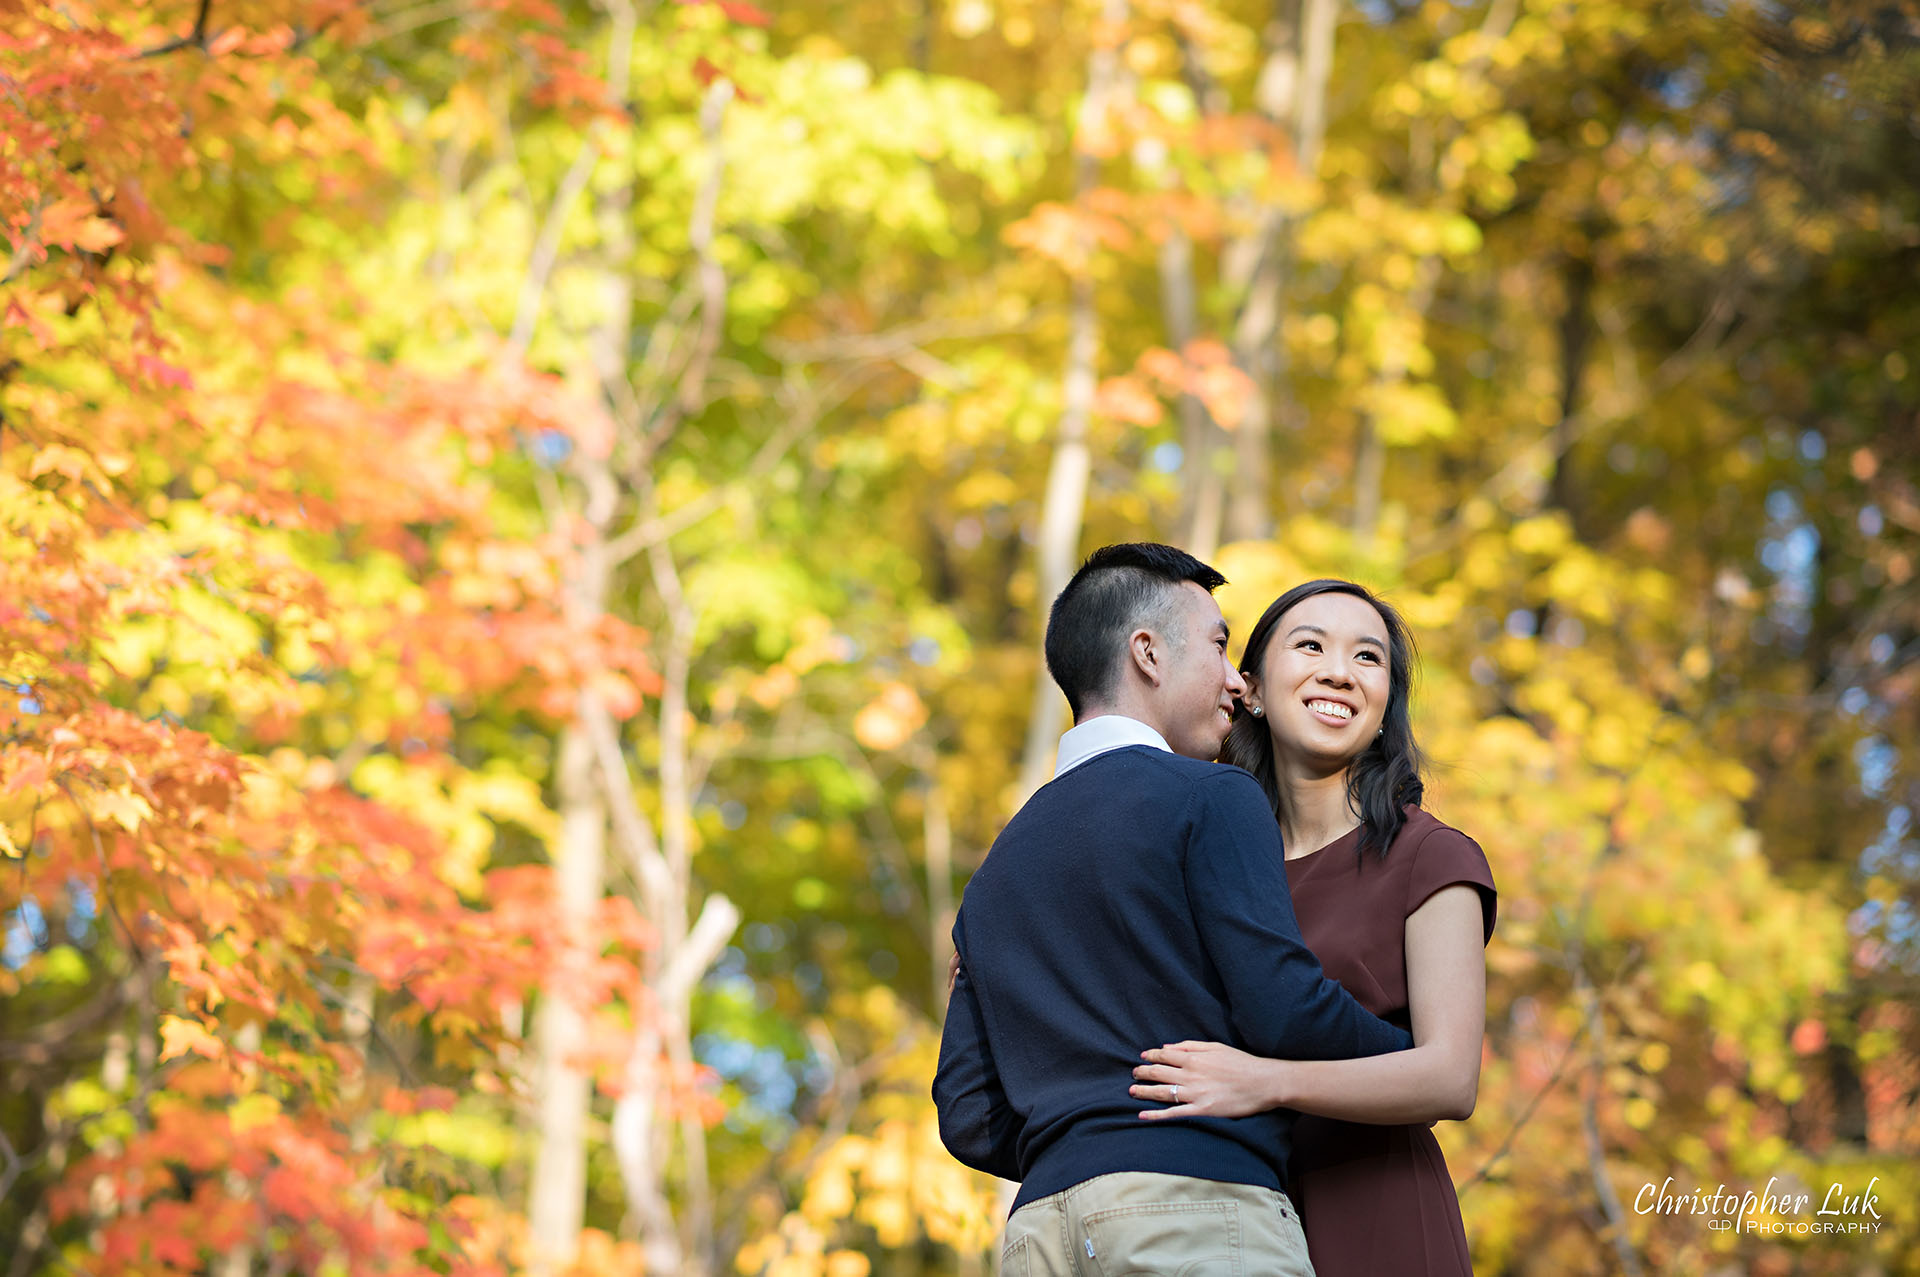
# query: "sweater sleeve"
(977, 1124)
(1278, 999)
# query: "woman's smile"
(1333, 713)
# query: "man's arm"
(977, 1124)
(1279, 1000)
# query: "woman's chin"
(1318, 759)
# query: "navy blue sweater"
(1139, 899)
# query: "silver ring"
(1176, 1092)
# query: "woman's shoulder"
(1422, 825)
(1437, 855)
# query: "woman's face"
(1323, 680)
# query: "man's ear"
(1143, 649)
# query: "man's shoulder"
(1177, 790)
(1168, 775)
(1163, 763)
(1207, 790)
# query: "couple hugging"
(1139, 1029)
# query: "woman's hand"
(1205, 1079)
(953, 970)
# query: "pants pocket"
(1014, 1261)
(1173, 1239)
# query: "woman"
(1397, 906)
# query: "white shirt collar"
(1103, 735)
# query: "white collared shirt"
(1103, 735)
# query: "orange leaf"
(73, 223)
(892, 717)
(1164, 366)
(1226, 391)
(1205, 352)
(1127, 399)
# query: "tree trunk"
(1576, 336)
(937, 833)
(1067, 478)
(1429, 171)
(238, 1260)
(1202, 485)
(1594, 1086)
(558, 1204)
(1370, 447)
(1291, 93)
(564, 1093)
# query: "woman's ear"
(1251, 699)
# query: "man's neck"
(1095, 734)
(1121, 709)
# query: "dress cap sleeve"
(1445, 856)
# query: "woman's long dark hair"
(1386, 778)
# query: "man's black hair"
(1119, 589)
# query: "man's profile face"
(1199, 684)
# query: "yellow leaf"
(180, 1037)
(253, 1110)
(124, 809)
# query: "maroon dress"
(1378, 1199)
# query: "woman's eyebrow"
(1314, 629)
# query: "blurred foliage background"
(527, 526)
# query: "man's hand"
(1206, 1079)
(953, 970)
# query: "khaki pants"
(1141, 1224)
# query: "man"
(1140, 897)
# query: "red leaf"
(741, 11)
(164, 373)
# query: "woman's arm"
(1437, 1080)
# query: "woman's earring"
(1255, 710)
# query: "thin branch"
(546, 248)
(1526, 1115)
(1528, 461)
(803, 412)
(647, 533)
(1590, 1123)
(629, 828)
(51, 1035)
(330, 994)
(15, 1167)
(888, 343)
(100, 851)
(23, 250)
(688, 382)
(196, 40)
(413, 19)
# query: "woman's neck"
(1314, 808)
